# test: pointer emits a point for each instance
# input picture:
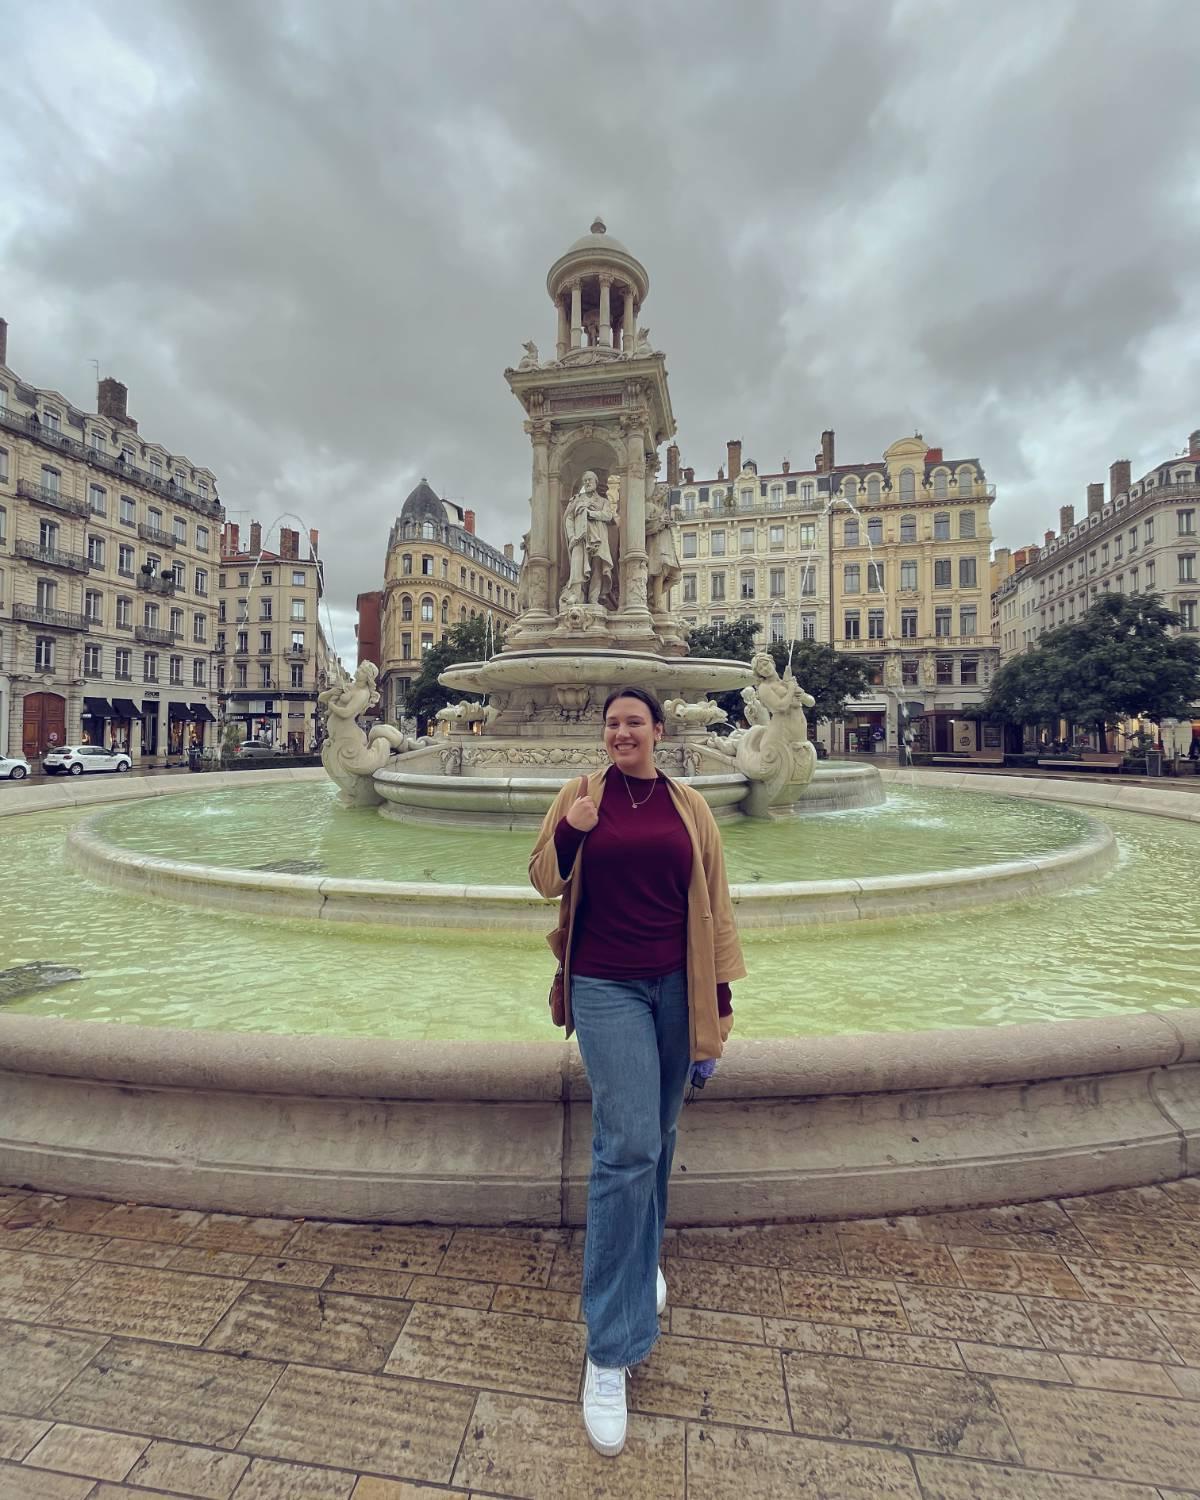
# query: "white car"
(74, 760)
(13, 767)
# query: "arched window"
(462, 612)
(427, 532)
(406, 606)
(427, 608)
(850, 488)
(966, 481)
(445, 611)
(873, 487)
(908, 488)
(406, 563)
(939, 485)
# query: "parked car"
(14, 767)
(74, 760)
(258, 747)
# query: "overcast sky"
(309, 236)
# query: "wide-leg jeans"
(635, 1039)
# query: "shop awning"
(202, 715)
(125, 708)
(97, 708)
(179, 711)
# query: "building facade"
(884, 558)
(108, 553)
(438, 573)
(273, 656)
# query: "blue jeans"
(635, 1040)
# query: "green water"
(1131, 941)
(300, 829)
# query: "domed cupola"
(423, 505)
(598, 288)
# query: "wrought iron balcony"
(57, 619)
(153, 534)
(157, 583)
(297, 653)
(41, 494)
(51, 557)
(149, 635)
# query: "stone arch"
(605, 456)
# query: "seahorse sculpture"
(775, 752)
(350, 755)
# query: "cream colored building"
(108, 555)
(885, 558)
(273, 656)
(438, 573)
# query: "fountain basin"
(665, 676)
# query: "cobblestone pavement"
(1050, 1350)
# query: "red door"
(45, 723)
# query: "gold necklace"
(648, 795)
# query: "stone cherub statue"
(775, 752)
(585, 523)
(662, 558)
(350, 756)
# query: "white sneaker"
(662, 1292)
(604, 1412)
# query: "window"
(175, 671)
(745, 499)
(176, 622)
(1117, 549)
(123, 659)
(968, 672)
(1187, 567)
(297, 674)
(1148, 529)
(406, 607)
(265, 675)
(43, 653)
(198, 672)
(875, 531)
(967, 620)
(125, 560)
(943, 621)
(154, 518)
(92, 604)
(850, 534)
(808, 626)
(777, 582)
(850, 579)
(777, 497)
(1103, 561)
(50, 479)
(427, 566)
(202, 581)
(239, 674)
(179, 574)
(1150, 576)
(716, 544)
(808, 579)
(156, 468)
(95, 551)
(150, 616)
(426, 641)
(445, 611)
(945, 671)
(298, 637)
(124, 611)
(427, 610)
(1187, 522)
(806, 490)
(97, 500)
(406, 644)
(50, 417)
(941, 526)
(689, 588)
(966, 573)
(746, 539)
(127, 510)
(875, 624)
(149, 666)
(746, 584)
(716, 587)
(850, 625)
(875, 577)
(3, 465)
(406, 563)
(941, 573)
(908, 624)
(266, 607)
(298, 578)
(689, 544)
(966, 482)
(908, 575)
(297, 609)
(777, 628)
(808, 534)
(93, 660)
(908, 671)
(908, 486)
(873, 483)
(939, 485)
(1133, 538)
(850, 488)
(201, 538)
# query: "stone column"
(629, 332)
(634, 612)
(576, 314)
(541, 554)
(606, 328)
(564, 328)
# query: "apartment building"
(107, 552)
(887, 558)
(273, 658)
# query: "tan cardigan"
(714, 954)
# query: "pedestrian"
(648, 948)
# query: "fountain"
(958, 992)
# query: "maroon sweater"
(632, 920)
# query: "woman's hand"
(583, 814)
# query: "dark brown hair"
(642, 696)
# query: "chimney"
(689, 476)
(312, 543)
(1193, 438)
(827, 450)
(673, 466)
(934, 456)
(289, 544)
(819, 463)
(720, 473)
(469, 521)
(255, 539)
(787, 467)
(3, 342)
(734, 451)
(1048, 538)
(508, 552)
(1095, 498)
(1119, 478)
(112, 401)
(232, 538)
(1066, 518)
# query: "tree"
(467, 641)
(1117, 662)
(733, 642)
(831, 677)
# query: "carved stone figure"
(523, 576)
(775, 753)
(585, 522)
(928, 671)
(529, 360)
(891, 671)
(467, 713)
(693, 715)
(662, 558)
(350, 756)
(641, 344)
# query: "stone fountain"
(600, 558)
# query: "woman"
(648, 947)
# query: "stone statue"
(700, 715)
(585, 523)
(775, 754)
(891, 671)
(350, 756)
(662, 558)
(641, 344)
(467, 713)
(928, 671)
(529, 360)
(523, 576)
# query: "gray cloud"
(310, 237)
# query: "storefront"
(125, 714)
(149, 718)
(94, 721)
(866, 731)
(177, 723)
(201, 718)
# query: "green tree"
(733, 642)
(467, 641)
(1117, 662)
(831, 677)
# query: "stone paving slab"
(1047, 1350)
